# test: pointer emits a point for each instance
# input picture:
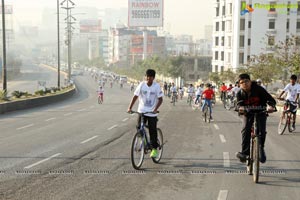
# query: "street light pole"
(4, 78)
(58, 47)
(68, 19)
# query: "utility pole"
(69, 32)
(58, 47)
(4, 77)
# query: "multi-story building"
(249, 27)
(127, 45)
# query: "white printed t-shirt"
(292, 91)
(148, 97)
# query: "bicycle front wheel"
(137, 151)
(283, 122)
(160, 147)
(256, 159)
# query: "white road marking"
(226, 159)
(222, 138)
(114, 126)
(50, 119)
(27, 126)
(85, 141)
(40, 162)
(124, 120)
(81, 110)
(223, 195)
(68, 114)
(216, 126)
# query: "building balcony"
(272, 14)
(271, 31)
(270, 48)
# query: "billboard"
(90, 26)
(145, 13)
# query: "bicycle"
(141, 144)
(190, 98)
(230, 103)
(174, 98)
(100, 98)
(206, 114)
(287, 117)
(253, 159)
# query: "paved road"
(31, 73)
(78, 149)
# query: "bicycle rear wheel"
(206, 117)
(137, 151)
(160, 147)
(290, 121)
(283, 122)
(99, 100)
(256, 159)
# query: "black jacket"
(257, 100)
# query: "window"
(272, 7)
(223, 10)
(216, 55)
(242, 24)
(229, 41)
(298, 25)
(297, 41)
(217, 11)
(223, 25)
(248, 59)
(249, 24)
(217, 26)
(222, 41)
(288, 25)
(298, 9)
(229, 57)
(241, 58)
(222, 55)
(222, 69)
(242, 38)
(288, 8)
(229, 23)
(249, 42)
(272, 24)
(216, 68)
(271, 40)
(217, 41)
(230, 9)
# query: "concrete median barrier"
(35, 101)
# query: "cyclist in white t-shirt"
(173, 90)
(293, 90)
(150, 98)
(199, 93)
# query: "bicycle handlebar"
(142, 113)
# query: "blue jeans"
(208, 102)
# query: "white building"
(240, 32)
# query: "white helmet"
(258, 80)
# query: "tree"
(215, 77)
(228, 76)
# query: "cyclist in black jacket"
(254, 98)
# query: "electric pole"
(4, 77)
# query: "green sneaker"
(154, 153)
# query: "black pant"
(248, 121)
(152, 123)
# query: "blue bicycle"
(141, 144)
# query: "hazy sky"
(181, 17)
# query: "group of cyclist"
(250, 96)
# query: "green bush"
(3, 95)
(39, 92)
(19, 94)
